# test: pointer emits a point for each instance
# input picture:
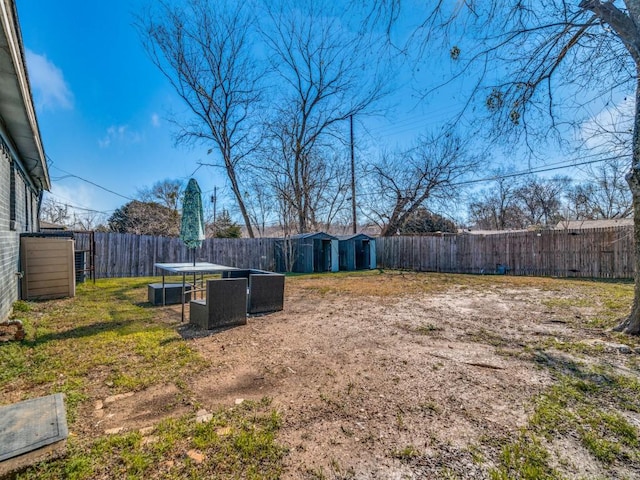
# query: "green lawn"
(108, 335)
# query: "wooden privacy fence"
(594, 253)
(129, 255)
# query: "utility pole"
(353, 181)
(214, 200)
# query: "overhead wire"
(522, 173)
(69, 203)
(390, 131)
(72, 175)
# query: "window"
(12, 198)
(27, 210)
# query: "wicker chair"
(266, 292)
(225, 304)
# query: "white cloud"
(74, 195)
(610, 129)
(119, 134)
(155, 120)
(47, 81)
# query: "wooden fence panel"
(129, 255)
(594, 253)
(597, 253)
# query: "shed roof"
(314, 235)
(354, 236)
(16, 103)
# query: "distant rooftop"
(587, 224)
(564, 225)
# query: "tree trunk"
(245, 217)
(231, 173)
(631, 324)
(389, 230)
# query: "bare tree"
(558, 57)
(259, 199)
(203, 48)
(606, 195)
(55, 212)
(332, 200)
(326, 73)
(428, 172)
(497, 208)
(74, 218)
(540, 199)
(87, 220)
(321, 192)
(166, 192)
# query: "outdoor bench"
(172, 293)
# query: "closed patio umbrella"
(192, 226)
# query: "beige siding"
(48, 266)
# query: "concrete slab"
(31, 430)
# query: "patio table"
(189, 268)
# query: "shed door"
(372, 254)
(362, 254)
(334, 262)
(321, 255)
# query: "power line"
(72, 175)
(66, 201)
(531, 171)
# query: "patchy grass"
(590, 404)
(407, 453)
(428, 328)
(563, 303)
(236, 443)
(379, 283)
(524, 459)
(109, 340)
(106, 334)
(605, 302)
(589, 401)
(396, 283)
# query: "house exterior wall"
(24, 172)
(18, 214)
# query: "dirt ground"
(362, 381)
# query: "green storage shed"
(307, 253)
(357, 252)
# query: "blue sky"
(101, 104)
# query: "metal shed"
(357, 252)
(307, 253)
